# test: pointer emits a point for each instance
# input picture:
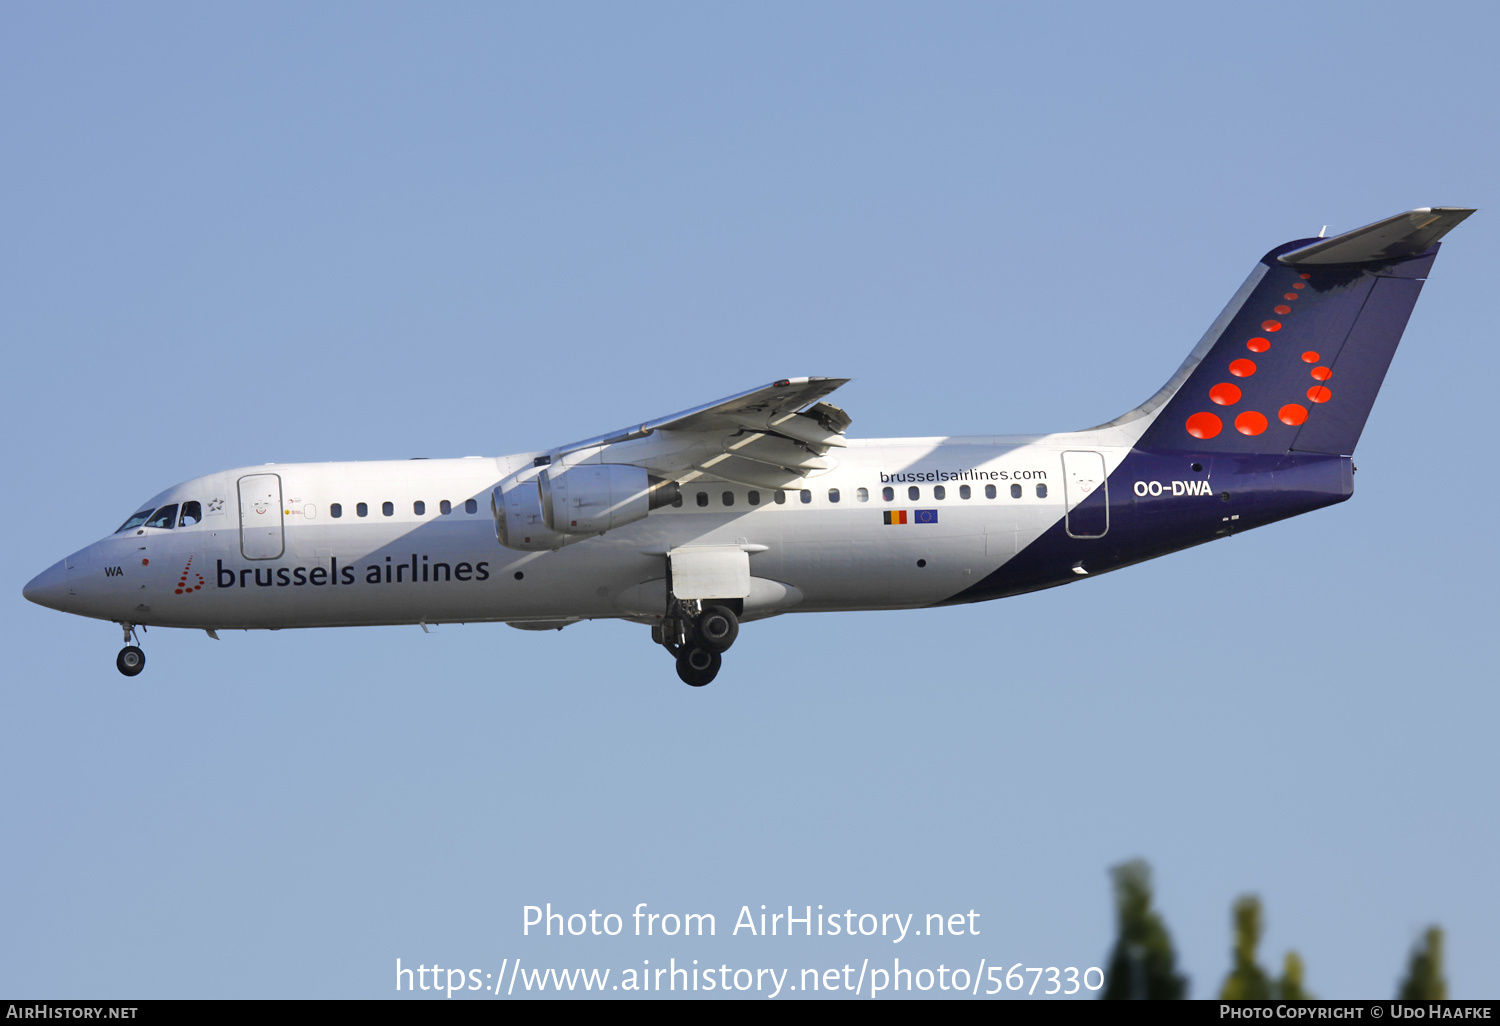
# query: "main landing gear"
(131, 659)
(697, 665)
(697, 636)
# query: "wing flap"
(797, 426)
(774, 449)
(750, 472)
(776, 435)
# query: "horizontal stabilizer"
(1394, 238)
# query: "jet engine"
(519, 524)
(536, 511)
(592, 498)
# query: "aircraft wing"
(769, 437)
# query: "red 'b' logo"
(183, 588)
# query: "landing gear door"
(1087, 493)
(260, 516)
(710, 572)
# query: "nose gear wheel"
(130, 661)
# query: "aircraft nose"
(50, 587)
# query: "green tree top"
(1246, 981)
(1290, 986)
(1142, 964)
(1424, 973)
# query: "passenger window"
(388, 509)
(863, 495)
(192, 513)
(336, 510)
(362, 510)
(1041, 491)
(677, 502)
(833, 495)
(165, 517)
(780, 498)
(419, 508)
(806, 495)
(471, 505)
(939, 492)
(964, 492)
(703, 498)
(914, 493)
(1015, 491)
(728, 498)
(445, 507)
(754, 498)
(888, 494)
(135, 521)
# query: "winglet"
(1394, 238)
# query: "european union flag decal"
(926, 516)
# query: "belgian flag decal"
(895, 516)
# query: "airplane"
(760, 504)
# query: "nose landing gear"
(131, 659)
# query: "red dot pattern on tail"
(1250, 423)
(1225, 394)
(1204, 425)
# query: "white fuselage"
(809, 551)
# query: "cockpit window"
(192, 512)
(135, 521)
(164, 517)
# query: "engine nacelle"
(591, 498)
(587, 500)
(519, 524)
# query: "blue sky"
(328, 232)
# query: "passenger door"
(1086, 493)
(261, 534)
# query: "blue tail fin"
(1295, 361)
